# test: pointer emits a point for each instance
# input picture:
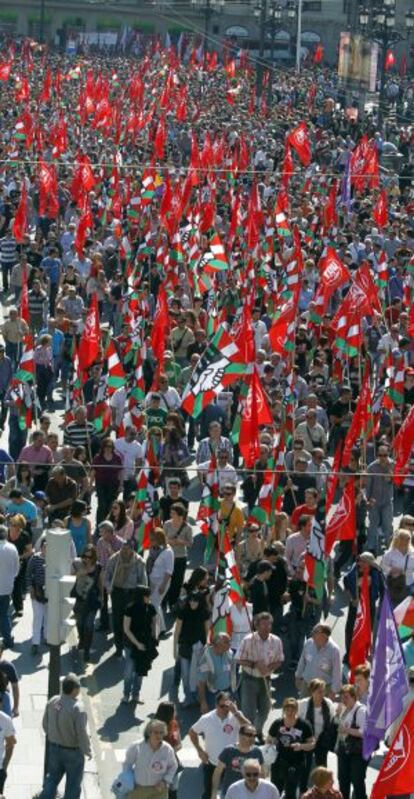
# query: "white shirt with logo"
(217, 733)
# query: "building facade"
(322, 21)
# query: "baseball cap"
(39, 495)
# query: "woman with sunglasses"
(232, 758)
(106, 474)
(88, 593)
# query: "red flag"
(5, 69)
(333, 273)
(160, 326)
(361, 636)
(329, 214)
(160, 139)
(380, 210)
(389, 60)
(90, 338)
(361, 418)
(299, 140)
(256, 412)
(318, 54)
(20, 219)
(403, 65)
(364, 279)
(402, 446)
(396, 776)
(341, 522)
(44, 96)
(22, 93)
(287, 167)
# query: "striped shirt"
(8, 254)
(36, 570)
(78, 435)
(37, 302)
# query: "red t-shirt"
(301, 510)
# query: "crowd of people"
(206, 373)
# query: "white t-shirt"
(130, 451)
(264, 790)
(6, 730)
(217, 733)
(117, 402)
(317, 713)
(163, 565)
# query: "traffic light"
(59, 584)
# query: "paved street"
(115, 726)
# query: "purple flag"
(388, 685)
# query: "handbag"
(353, 745)
(124, 783)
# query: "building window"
(312, 5)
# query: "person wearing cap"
(320, 659)
(67, 740)
(259, 589)
(260, 654)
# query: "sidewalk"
(25, 774)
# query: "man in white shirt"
(320, 659)
(259, 654)
(170, 398)
(220, 728)
(130, 451)
(9, 569)
(225, 471)
(252, 786)
(259, 328)
(118, 403)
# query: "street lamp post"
(260, 11)
(42, 22)
(294, 12)
(380, 22)
(209, 7)
(275, 16)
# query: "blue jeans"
(185, 666)
(5, 621)
(132, 680)
(69, 762)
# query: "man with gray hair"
(9, 569)
(252, 784)
(216, 671)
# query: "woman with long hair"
(106, 474)
(123, 525)
(87, 592)
(79, 526)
